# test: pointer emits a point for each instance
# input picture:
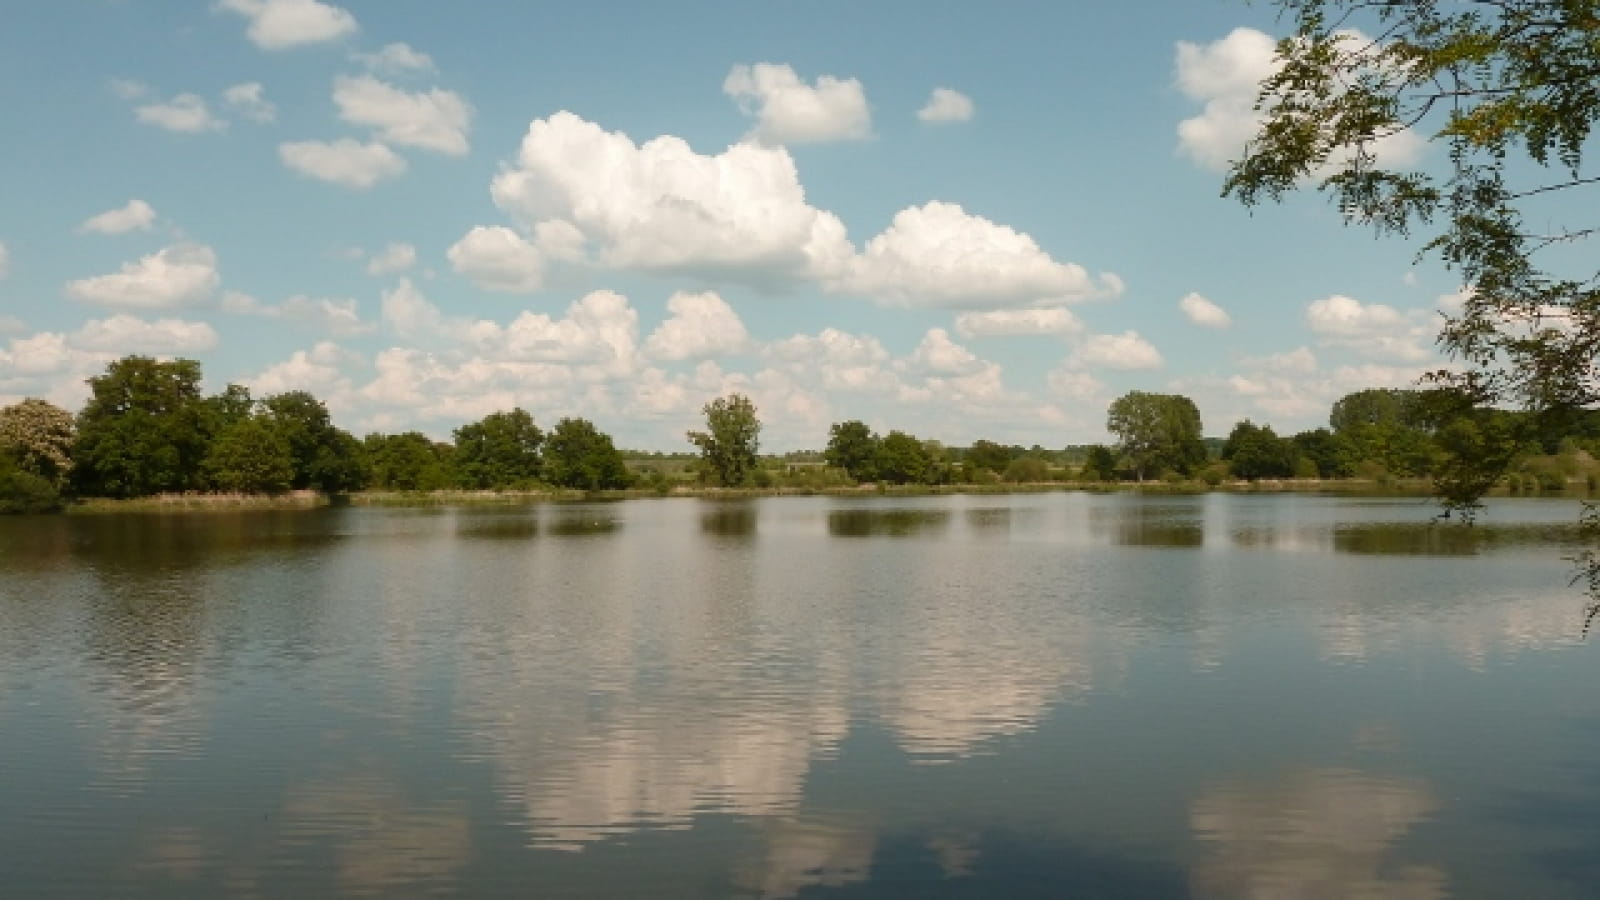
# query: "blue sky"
(962, 220)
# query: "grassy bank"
(197, 502)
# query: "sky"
(959, 220)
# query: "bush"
(24, 492)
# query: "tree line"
(147, 428)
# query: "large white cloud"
(1226, 76)
(1201, 311)
(662, 206)
(1371, 329)
(789, 111)
(122, 334)
(137, 215)
(345, 161)
(174, 276)
(186, 113)
(320, 370)
(938, 254)
(700, 325)
(1119, 351)
(434, 120)
(1014, 322)
(282, 24)
(946, 105)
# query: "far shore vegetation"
(149, 440)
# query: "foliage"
(578, 455)
(1026, 470)
(854, 448)
(1329, 454)
(324, 457)
(38, 436)
(728, 445)
(23, 491)
(500, 450)
(1100, 463)
(1508, 89)
(144, 430)
(902, 459)
(1256, 451)
(229, 407)
(1157, 432)
(409, 461)
(251, 455)
(988, 455)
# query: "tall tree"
(409, 461)
(1508, 90)
(324, 457)
(1255, 451)
(145, 429)
(854, 448)
(578, 455)
(500, 450)
(902, 459)
(38, 436)
(1157, 432)
(251, 455)
(728, 445)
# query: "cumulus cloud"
(1015, 322)
(186, 113)
(434, 120)
(1226, 76)
(938, 254)
(1119, 351)
(137, 215)
(840, 360)
(1197, 309)
(340, 317)
(283, 24)
(496, 258)
(1371, 329)
(945, 105)
(174, 276)
(938, 355)
(319, 370)
(249, 100)
(397, 257)
(397, 59)
(408, 313)
(700, 326)
(124, 334)
(789, 111)
(660, 206)
(345, 162)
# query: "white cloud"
(5, 260)
(1226, 76)
(660, 206)
(319, 370)
(1119, 351)
(397, 257)
(946, 105)
(938, 254)
(1013, 322)
(282, 24)
(249, 100)
(839, 360)
(700, 326)
(1075, 384)
(137, 215)
(789, 111)
(1371, 329)
(1299, 361)
(174, 276)
(434, 120)
(498, 259)
(396, 58)
(185, 113)
(1197, 309)
(938, 355)
(337, 317)
(408, 313)
(345, 161)
(123, 334)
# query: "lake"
(1034, 695)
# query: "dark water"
(1031, 696)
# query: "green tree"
(324, 457)
(38, 436)
(409, 461)
(854, 448)
(1100, 463)
(728, 445)
(1157, 432)
(578, 455)
(145, 429)
(1508, 90)
(1255, 451)
(251, 455)
(500, 450)
(1332, 455)
(902, 459)
(23, 492)
(988, 455)
(232, 405)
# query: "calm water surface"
(1060, 695)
